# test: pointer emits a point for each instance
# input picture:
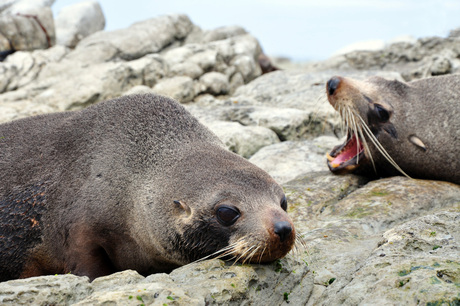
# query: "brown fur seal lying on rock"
(412, 128)
(132, 183)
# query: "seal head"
(395, 127)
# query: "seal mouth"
(347, 156)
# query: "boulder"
(141, 38)
(28, 29)
(77, 21)
(180, 88)
(243, 140)
(288, 160)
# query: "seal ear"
(183, 206)
(417, 142)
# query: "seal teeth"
(347, 153)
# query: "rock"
(370, 45)
(286, 280)
(150, 36)
(288, 160)
(287, 123)
(412, 60)
(240, 139)
(46, 290)
(223, 33)
(150, 68)
(215, 83)
(455, 33)
(23, 68)
(77, 21)
(180, 88)
(189, 69)
(139, 89)
(326, 211)
(416, 261)
(441, 65)
(28, 29)
(13, 7)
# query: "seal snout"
(283, 229)
(332, 85)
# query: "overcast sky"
(299, 29)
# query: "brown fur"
(133, 183)
(422, 134)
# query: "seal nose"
(283, 229)
(332, 85)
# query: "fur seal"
(411, 128)
(132, 183)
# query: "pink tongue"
(350, 151)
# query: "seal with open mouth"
(411, 128)
(133, 183)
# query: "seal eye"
(227, 215)
(284, 203)
(382, 113)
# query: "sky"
(298, 29)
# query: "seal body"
(132, 183)
(394, 127)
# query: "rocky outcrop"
(78, 21)
(28, 29)
(388, 241)
(426, 57)
(214, 283)
(391, 241)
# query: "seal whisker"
(221, 253)
(366, 146)
(262, 253)
(355, 132)
(242, 255)
(250, 256)
(380, 148)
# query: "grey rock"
(139, 89)
(455, 33)
(441, 65)
(77, 21)
(287, 123)
(337, 216)
(150, 36)
(180, 88)
(415, 261)
(205, 59)
(150, 68)
(12, 7)
(23, 68)
(243, 140)
(223, 33)
(22, 31)
(412, 60)
(288, 160)
(285, 280)
(189, 69)
(215, 83)
(45, 290)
